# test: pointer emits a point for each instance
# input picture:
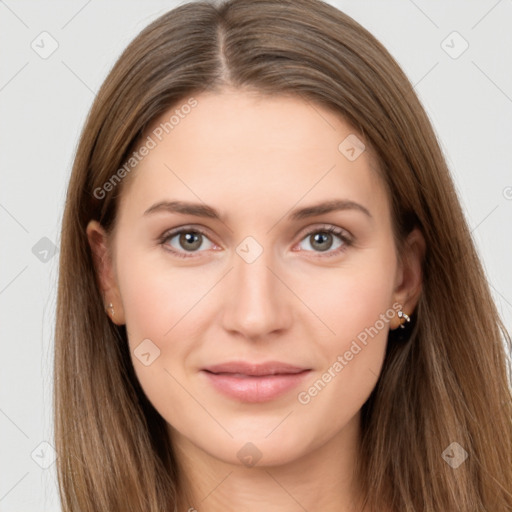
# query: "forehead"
(245, 150)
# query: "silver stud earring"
(405, 317)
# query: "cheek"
(164, 309)
(158, 299)
(351, 298)
(355, 302)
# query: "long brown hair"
(448, 382)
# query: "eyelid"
(327, 227)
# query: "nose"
(257, 304)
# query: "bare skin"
(303, 300)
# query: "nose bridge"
(256, 303)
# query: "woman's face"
(264, 272)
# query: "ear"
(408, 284)
(105, 272)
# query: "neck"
(322, 479)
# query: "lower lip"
(260, 388)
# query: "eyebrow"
(203, 210)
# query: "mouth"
(249, 382)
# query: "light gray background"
(43, 104)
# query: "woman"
(269, 297)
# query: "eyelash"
(347, 241)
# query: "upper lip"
(246, 368)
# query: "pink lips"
(254, 382)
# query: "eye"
(185, 240)
(322, 240)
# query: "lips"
(243, 368)
(251, 382)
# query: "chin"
(259, 449)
